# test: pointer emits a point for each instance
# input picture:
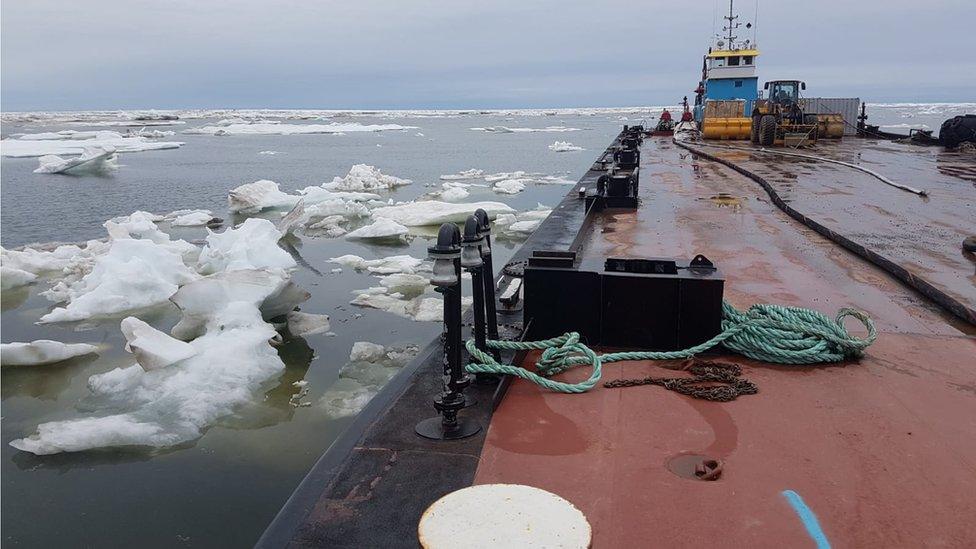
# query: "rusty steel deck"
(881, 450)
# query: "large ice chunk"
(92, 160)
(133, 274)
(370, 367)
(381, 229)
(172, 405)
(11, 277)
(270, 290)
(70, 142)
(252, 245)
(305, 324)
(509, 186)
(362, 178)
(264, 127)
(258, 196)
(434, 212)
(564, 146)
(152, 348)
(382, 266)
(41, 351)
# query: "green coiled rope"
(767, 333)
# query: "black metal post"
(488, 278)
(447, 278)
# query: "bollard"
(472, 261)
(446, 255)
(488, 278)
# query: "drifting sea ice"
(11, 277)
(381, 229)
(190, 218)
(152, 348)
(505, 129)
(276, 128)
(271, 289)
(259, 196)
(464, 175)
(453, 192)
(172, 405)
(133, 274)
(434, 212)
(41, 351)
(509, 186)
(363, 178)
(382, 266)
(369, 368)
(564, 146)
(70, 142)
(306, 324)
(92, 160)
(252, 245)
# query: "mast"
(731, 26)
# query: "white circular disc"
(503, 515)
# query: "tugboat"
(729, 84)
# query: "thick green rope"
(767, 333)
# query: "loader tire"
(767, 130)
(754, 132)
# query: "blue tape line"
(808, 518)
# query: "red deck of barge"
(881, 450)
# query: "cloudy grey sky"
(107, 54)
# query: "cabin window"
(734, 61)
(746, 59)
(719, 62)
(738, 83)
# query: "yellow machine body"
(726, 128)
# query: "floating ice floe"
(363, 178)
(453, 192)
(274, 128)
(262, 195)
(505, 129)
(269, 153)
(306, 324)
(133, 274)
(174, 404)
(382, 266)
(408, 284)
(259, 196)
(11, 277)
(370, 367)
(434, 212)
(508, 186)
(464, 175)
(252, 245)
(271, 289)
(70, 142)
(152, 134)
(190, 218)
(564, 146)
(381, 229)
(41, 351)
(92, 160)
(420, 308)
(521, 224)
(152, 348)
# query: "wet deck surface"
(881, 450)
(922, 234)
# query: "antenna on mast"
(732, 25)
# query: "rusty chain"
(715, 381)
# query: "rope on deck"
(768, 333)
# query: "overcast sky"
(127, 54)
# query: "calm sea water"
(223, 489)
